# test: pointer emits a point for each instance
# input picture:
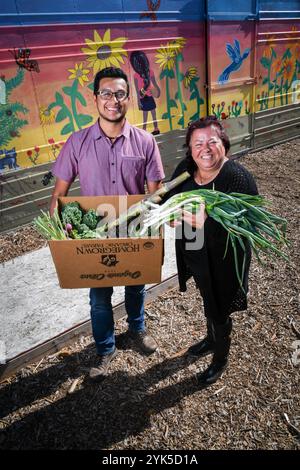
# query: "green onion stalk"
(138, 209)
(49, 227)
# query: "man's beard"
(119, 119)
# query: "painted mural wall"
(278, 68)
(47, 74)
(48, 63)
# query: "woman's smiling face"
(207, 148)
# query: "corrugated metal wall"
(252, 92)
(277, 113)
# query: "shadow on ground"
(96, 415)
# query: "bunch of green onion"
(49, 227)
(243, 216)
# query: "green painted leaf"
(201, 100)
(287, 54)
(184, 107)
(179, 57)
(165, 116)
(173, 104)
(61, 115)
(265, 80)
(271, 86)
(18, 107)
(176, 95)
(194, 117)
(67, 90)
(15, 81)
(265, 62)
(273, 53)
(163, 74)
(67, 129)
(52, 105)
(181, 121)
(167, 73)
(59, 99)
(181, 76)
(80, 98)
(84, 119)
(91, 86)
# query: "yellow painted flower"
(79, 73)
(47, 116)
(178, 45)
(288, 69)
(276, 65)
(189, 75)
(104, 52)
(267, 52)
(165, 57)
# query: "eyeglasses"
(107, 95)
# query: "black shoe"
(202, 348)
(97, 374)
(143, 341)
(212, 373)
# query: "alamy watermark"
(296, 353)
(2, 352)
(296, 92)
(2, 92)
(133, 226)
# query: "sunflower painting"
(104, 52)
(47, 116)
(170, 59)
(79, 73)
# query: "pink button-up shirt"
(107, 169)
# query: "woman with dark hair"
(146, 87)
(214, 274)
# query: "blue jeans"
(102, 314)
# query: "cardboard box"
(107, 262)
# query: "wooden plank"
(68, 337)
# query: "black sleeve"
(240, 180)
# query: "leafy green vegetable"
(91, 219)
(85, 232)
(72, 214)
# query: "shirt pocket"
(133, 167)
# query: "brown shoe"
(97, 374)
(143, 341)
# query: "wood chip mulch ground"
(155, 402)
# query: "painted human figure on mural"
(146, 87)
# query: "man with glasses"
(111, 157)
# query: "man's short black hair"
(109, 72)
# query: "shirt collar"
(98, 132)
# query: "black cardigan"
(215, 275)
